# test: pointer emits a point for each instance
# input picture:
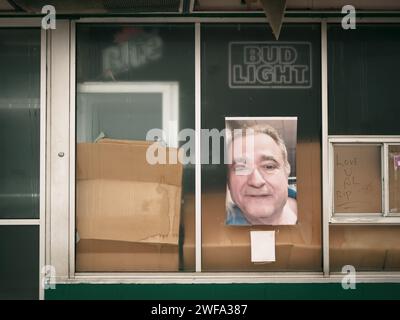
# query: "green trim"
(308, 291)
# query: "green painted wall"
(384, 291)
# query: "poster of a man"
(261, 182)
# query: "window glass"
(19, 267)
(362, 77)
(363, 74)
(131, 213)
(19, 123)
(247, 73)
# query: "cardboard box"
(227, 248)
(367, 248)
(154, 247)
(124, 256)
(127, 210)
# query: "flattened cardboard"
(120, 256)
(392, 262)
(357, 179)
(367, 248)
(123, 161)
(128, 211)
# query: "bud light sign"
(282, 65)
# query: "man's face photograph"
(258, 181)
(258, 187)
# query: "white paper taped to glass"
(262, 246)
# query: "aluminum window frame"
(170, 100)
(98, 276)
(210, 277)
(379, 218)
(386, 172)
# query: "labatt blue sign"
(270, 65)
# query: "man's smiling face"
(258, 181)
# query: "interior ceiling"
(251, 5)
(5, 6)
(129, 6)
(98, 6)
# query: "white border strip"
(19, 222)
(383, 180)
(48, 151)
(325, 180)
(43, 130)
(376, 220)
(365, 139)
(72, 150)
(126, 87)
(198, 144)
(229, 277)
(385, 159)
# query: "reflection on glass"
(130, 213)
(19, 266)
(247, 73)
(394, 178)
(363, 70)
(19, 123)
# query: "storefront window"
(362, 75)
(19, 162)
(19, 267)
(19, 123)
(250, 79)
(130, 213)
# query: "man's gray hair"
(269, 131)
